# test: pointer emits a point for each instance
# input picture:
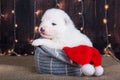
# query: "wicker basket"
(52, 61)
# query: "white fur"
(88, 69)
(99, 70)
(62, 34)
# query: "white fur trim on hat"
(88, 69)
(99, 70)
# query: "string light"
(105, 21)
(60, 5)
(12, 11)
(108, 49)
(56, 3)
(35, 18)
(32, 52)
(0, 23)
(11, 51)
(16, 25)
(109, 35)
(38, 12)
(81, 14)
(81, 28)
(79, 0)
(106, 6)
(16, 40)
(36, 29)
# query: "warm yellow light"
(79, 13)
(81, 28)
(105, 21)
(16, 40)
(32, 52)
(109, 34)
(38, 12)
(106, 6)
(36, 29)
(9, 51)
(13, 11)
(61, 5)
(16, 25)
(109, 45)
(79, 0)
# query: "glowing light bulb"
(32, 52)
(16, 40)
(109, 45)
(36, 28)
(81, 28)
(109, 34)
(9, 51)
(79, 13)
(16, 25)
(106, 6)
(79, 0)
(105, 21)
(13, 11)
(38, 12)
(61, 5)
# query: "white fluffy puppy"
(58, 31)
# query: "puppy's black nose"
(42, 30)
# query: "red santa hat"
(84, 55)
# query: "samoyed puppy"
(58, 30)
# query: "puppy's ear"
(67, 21)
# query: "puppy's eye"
(53, 24)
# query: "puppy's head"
(54, 23)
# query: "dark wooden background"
(26, 20)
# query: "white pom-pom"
(88, 69)
(99, 71)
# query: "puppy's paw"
(36, 42)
